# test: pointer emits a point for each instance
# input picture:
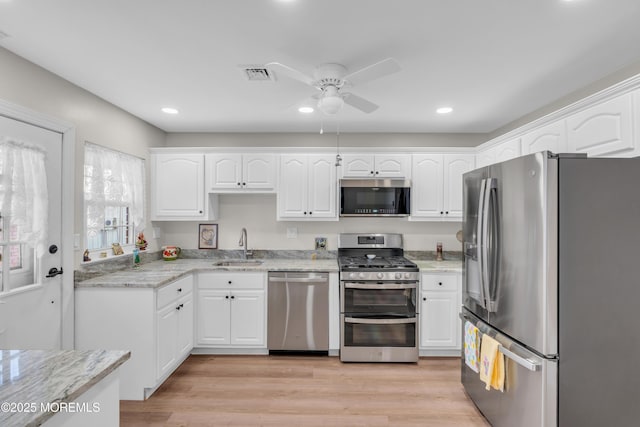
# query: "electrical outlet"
(292, 233)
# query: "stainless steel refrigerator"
(552, 272)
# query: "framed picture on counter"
(208, 236)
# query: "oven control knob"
(407, 275)
(398, 276)
(361, 275)
(352, 275)
(380, 275)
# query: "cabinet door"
(167, 319)
(322, 189)
(213, 313)
(258, 171)
(438, 319)
(185, 325)
(603, 129)
(552, 137)
(177, 190)
(392, 165)
(427, 186)
(292, 187)
(508, 150)
(358, 166)
(224, 172)
(455, 165)
(248, 318)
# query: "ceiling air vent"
(256, 73)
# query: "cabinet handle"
(238, 184)
(447, 212)
(233, 297)
(226, 296)
(439, 283)
(244, 183)
(441, 212)
(371, 172)
(310, 213)
(179, 289)
(305, 212)
(178, 308)
(229, 281)
(424, 298)
(377, 172)
(200, 211)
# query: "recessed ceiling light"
(306, 110)
(444, 110)
(169, 110)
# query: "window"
(114, 197)
(23, 211)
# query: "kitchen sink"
(238, 263)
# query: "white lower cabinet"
(440, 303)
(156, 325)
(231, 311)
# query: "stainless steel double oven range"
(378, 299)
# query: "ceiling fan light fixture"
(330, 104)
(306, 110)
(444, 110)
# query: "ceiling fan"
(330, 79)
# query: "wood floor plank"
(306, 391)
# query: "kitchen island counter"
(37, 385)
(439, 266)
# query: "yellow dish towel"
(491, 364)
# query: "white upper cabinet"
(376, 166)
(552, 137)
(307, 188)
(604, 129)
(501, 152)
(177, 187)
(233, 172)
(436, 185)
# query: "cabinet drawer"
(231, 280)
(439, 282)
(173, 291)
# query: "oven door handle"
(351, 285)
(380, 321)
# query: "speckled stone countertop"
(454, 266)
(35, 377)
(158, 273)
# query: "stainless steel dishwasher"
(298, 312)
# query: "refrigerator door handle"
(527, 363)
(491, 242)
(513, 349)
(485, 194)
(480, 236)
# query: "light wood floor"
(306, 391)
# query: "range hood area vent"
(256, 73)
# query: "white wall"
(257, 213)
(97, 121)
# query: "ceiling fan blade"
(290, 72)
(359, 103)
(373, 72)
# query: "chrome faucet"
(243, 243)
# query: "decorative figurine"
(141, 243)
(117, 249)
(85, 256)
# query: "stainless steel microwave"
(375, 197)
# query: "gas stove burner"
(361, 262)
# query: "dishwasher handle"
(297, 280)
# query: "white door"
(31, 303)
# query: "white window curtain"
(23, 191)
(112, 178)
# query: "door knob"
(53, 271)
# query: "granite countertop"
(159, 273)
(41, 377)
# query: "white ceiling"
(493, 61)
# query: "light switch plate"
(292, 233)
(76, 241)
